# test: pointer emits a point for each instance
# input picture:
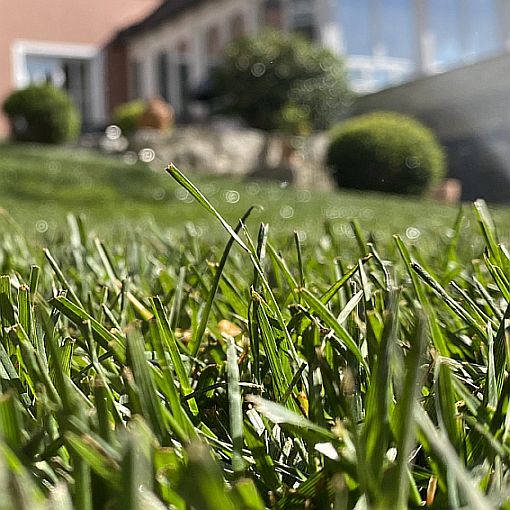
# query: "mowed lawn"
(40, 186)
(157, 371)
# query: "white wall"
(190, 27)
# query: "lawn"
(149, 371)
(39, 186)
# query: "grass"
(39, 186)
(256, 373)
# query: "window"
(356, 26)
(73, 67)
(184, 86)
(381, 77)
(213, 42)
(42, 69)
(385, 27)
(136, 79)
(213, 48)
(237, 28)
(181, 81)
(356, 74)
(303, 18)
(444, 23)
(163, 75)
(70, 74)
(397, 28)
(273, 15)
(481, 28)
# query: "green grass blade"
(235, 408)
(175, 355)
(137, 466)
(445, 453)
(78, 315)
(376, 431)
(404, 420)
(202, 325)
(280, 415)
(10, 422)
(201, 484)
(278, 360)
(201, 199)
(6, 305)
(301, 269)
(96, 456)
(34, 279)
(149, 399)
(461, 312)
(435, 331)
(246, 496)
(330, 320)
(331, 292)
(487, 228)
(25, 309)
(60, 277)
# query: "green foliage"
(127, 115)
(43, 114)
(318, 383)
(115, 195)
(386, 152)
(276, 80)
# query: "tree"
(276, 80)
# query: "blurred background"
(282, 90)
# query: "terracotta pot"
(157, 115)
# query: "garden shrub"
(385, 151)
(127, 115)
(42, 113)
(280, 81)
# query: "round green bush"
(387, 152)
(127, 115)
(42, 113)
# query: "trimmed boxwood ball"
(387, 152)
(127, 115)
(42, 113)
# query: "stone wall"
(225, 150)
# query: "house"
(385, 42)
(61, 41)
(446, 62)
(171, 52)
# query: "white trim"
(20, 48)
(97, 89)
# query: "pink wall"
(61, 21)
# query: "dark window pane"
(183, 72)
(272, 14)
(237, 28)
(213, 42)
(136, 80)
(163, 76)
